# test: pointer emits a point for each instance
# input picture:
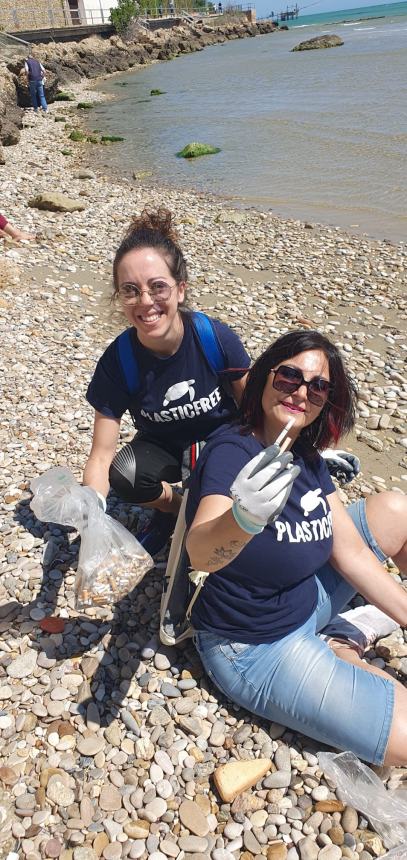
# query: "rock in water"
(325, 41)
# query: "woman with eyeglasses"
(178, 400)
(285, 557)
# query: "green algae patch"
(195, 150)
(84, 106)
(77, 135)
(157, 92)
(66, 152)
(91, 138)
(64, 97)
(111, 138)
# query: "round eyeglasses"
(289, 379)
(131, 294)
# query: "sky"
(264, 7)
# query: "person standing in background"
(35, 73)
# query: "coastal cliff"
(94, 57)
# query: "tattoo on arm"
(223, 554)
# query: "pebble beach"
(109, 740)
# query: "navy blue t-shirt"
(180, 398)
(269, 590)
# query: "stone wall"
(33, 14)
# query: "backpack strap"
(207, 338)
(128, 361)
(209, 341)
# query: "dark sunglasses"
(288, 379)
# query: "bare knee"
(394, 504)
(387, 518)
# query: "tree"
(123, 14)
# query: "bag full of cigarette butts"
(111, 561)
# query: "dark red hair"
(337, 416)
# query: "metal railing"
(10, 46)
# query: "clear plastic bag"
(359, 786)
(111, 561)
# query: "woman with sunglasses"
(284, 557)
(179, 399)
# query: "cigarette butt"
(284, 432)
(286, 443)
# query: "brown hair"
(153, 229)
(338, 415)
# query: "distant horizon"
(265, 7)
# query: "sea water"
(317, 135)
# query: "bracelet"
(244, 523)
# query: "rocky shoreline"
(68, 62)
(109, 741)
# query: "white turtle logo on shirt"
(311, 500)
(180, 389)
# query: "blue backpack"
(206, 337)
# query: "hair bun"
(158, 220)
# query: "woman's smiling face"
(154, 321)
(279, 407)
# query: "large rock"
(52, 85)
(10, 113)
(319, 42)
(54, 201)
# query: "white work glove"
(341, 464)
(261, 489)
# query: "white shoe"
(361, 626)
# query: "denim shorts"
(300, 683)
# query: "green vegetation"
(122, 15)
(92, 138)
(84, 106)
(195, 150)
(157, 92)
(64, 97)
(110, 138)
(66, 152)
(77, 135)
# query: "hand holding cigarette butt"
(262, 487)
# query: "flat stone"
(92, 717)
(110, 798)
(277, 851)
(59, 793)
(8, 776)
(192, 844)
(155, 809)
(350, 819)
(330, 852)
(336, 834)
(250, 842)
(331, 805)
(24, 665)
(85, 852)
(53, 848)
(90, 745)
(308, 849)
(192, 817)
(137, 829)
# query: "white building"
(91, 11)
